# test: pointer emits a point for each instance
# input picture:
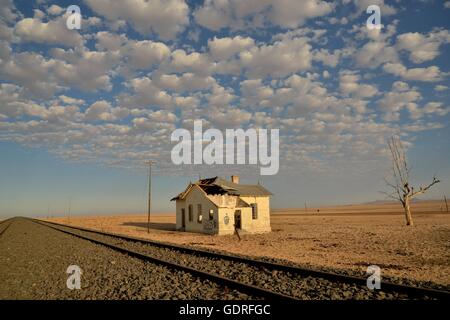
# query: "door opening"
(237, 219)
(183, 218)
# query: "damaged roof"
(221, 186)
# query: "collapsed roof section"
(219, 186)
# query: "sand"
(342, 238)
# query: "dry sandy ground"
(345, 237)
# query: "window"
(183, 218)
(199, 213)
(190, 212)
(254, 211)
(211, 214)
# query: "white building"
(217, 206)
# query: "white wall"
(196, 196)
(226, 209)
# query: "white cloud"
(137, 55)
(225, 48)
(277, 60)
(99, 110)
(33, 72)
(186, 102)
(148, 125)
(10, 97)
(52, 32)
(109, 41)
(69, 100)
(350, 84)
(423, 47)
(220, 96)
(166, 18)
(440, 87)
(214, 15)
(249, 78)
(195, 62)
(400, 86)
(394, 101)
(8, 11)
(298, 96)
(430, 108)
(362, 6)
(327, 58)
(429, 74)
(183, 83)
(162, 116)
(55, 10)
(86, 70)
(236, 14)
(145, 54)
(294, 13)
(145, 95)
(254, 93)
(228, 117)
(374, 54)
(13, 103)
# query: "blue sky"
(80, 110)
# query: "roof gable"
(221, 186)
(238, 189)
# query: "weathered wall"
(195, 197)
(223, 227)
(179, 204)
(226, 208)
(262, 223)
(224, 201)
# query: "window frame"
(199, 213)
(190, 213)
(254, 211)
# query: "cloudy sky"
(80, 110)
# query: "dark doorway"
(237, 219)
(183, 218)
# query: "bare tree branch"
(422, 190)
(403, 191)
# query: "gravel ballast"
(301, 287)
(34, 260)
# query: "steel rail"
(243, 287)
(386, 286)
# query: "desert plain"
(345, 238)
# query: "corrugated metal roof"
(237, 188)
(218, 185)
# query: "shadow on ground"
(153, 225)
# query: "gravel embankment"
(34, 260)
(279, 281)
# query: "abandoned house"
(218, 206)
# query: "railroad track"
(246, 288)
(4, 225)
(256, 277)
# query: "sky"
(81, 110)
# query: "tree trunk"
(409, 221)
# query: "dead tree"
(402, 190)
